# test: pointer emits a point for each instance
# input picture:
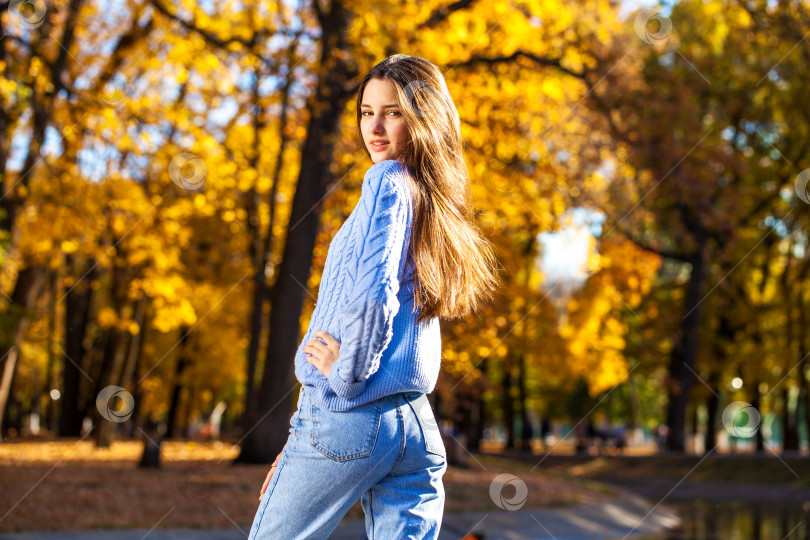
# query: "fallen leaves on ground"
(72, 485)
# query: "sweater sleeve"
(369, 305)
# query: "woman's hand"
(269, 475)
(322, 356)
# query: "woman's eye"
(369, 113)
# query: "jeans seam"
(371, 510)
(269, 492)
(428, 446)
(401, 430)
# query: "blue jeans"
(388, 453)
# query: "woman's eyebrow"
(384, 106)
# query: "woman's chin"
(377, 157)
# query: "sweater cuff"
(341, 387)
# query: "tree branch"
(541, 60)
(665, 253)
(207, 36)
(441, 13)
(123, 47)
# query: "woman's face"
(381, 121)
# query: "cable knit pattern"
(365, 301)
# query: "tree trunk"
(51, 413)
(474, 441)
(152, 438)
(109, 361)
(12, 419)
(133, 358)
(508, 407)
(695, 427)
(790, 416)
(30, 282)
(265, 438)
(635, 408)
(804, 351)
(725, 334)
(112, 359)
(755, 403)
(712, 404)
(135, 344)
(77, 317)
(263, 251)
(526, 433)
(790, 426)
(177, 385)
(458, 447)
(682, 358)
(150, 430)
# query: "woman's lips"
(376, 146)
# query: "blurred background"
(173, 173)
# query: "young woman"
(407, 255)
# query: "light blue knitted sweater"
(365, 301)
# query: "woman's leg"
(408, 503)
(329, 461)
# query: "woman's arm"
(370, 303)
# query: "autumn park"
(173, 173)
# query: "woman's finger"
(317, 345)
(326, 336)
(266, 482)
(270, 475)
(267, 478)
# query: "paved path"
(708, 490)
(630, 515)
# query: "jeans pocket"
(346, 435)
(427, 422)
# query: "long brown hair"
(455, 265)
